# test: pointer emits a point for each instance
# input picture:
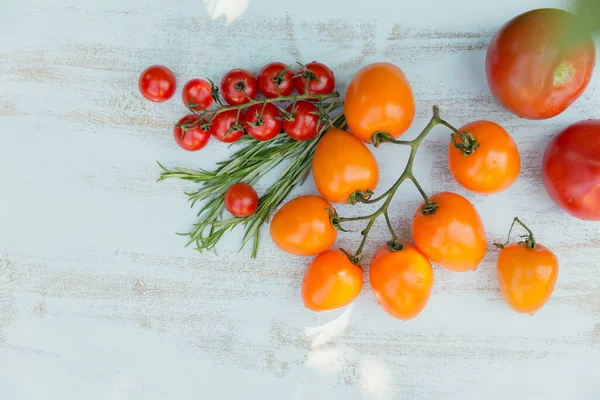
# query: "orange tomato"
(302, 226)
(492, 166)
(453, 235)
(342, 165)
(526, 276)
(331, 281)
(379, 98)
(401, 280)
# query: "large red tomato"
(530, 72)
(571, 169)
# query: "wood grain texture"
(100, 300)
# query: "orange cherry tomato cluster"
(446, 229)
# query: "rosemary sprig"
(248, 165)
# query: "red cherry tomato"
(321, 79)
(197, 93)
(223, 126)
(271, 75)
(267, 126)
(571, 169)
(189, 135)
(235, 83)
(241, 200)
(157, 83)
(305, 124)
(528, 70)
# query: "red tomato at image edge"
(526, 72)
(571, 169)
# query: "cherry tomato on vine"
(157, 83)
(485, 159)
(379, 98)
(273, 74)
(194, 138)
(197, 93)
(342, 165)
(321, 79)
(571, 169)
(241, 200)
(237, 82)
(331, 281)
(401, 280)
(528, 69)
(267, 126)
(305, 123)
(451, 235)
(224, 128)
(303, 227)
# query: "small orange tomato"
(452, 235)
(331, 281)
(342, 165)
(527, 272)
(485, 159)
(401, 280)
(302, 226)
(379, 98)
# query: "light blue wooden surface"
(99, 300)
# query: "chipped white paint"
(98, 298)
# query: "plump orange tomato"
(379, 98)
(302, 226)
(401, 280)
(526, 276)
(331, 281)
(342, 165)
(490, 167)
(453, 235)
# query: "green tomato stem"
(406, 174)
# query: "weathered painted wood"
(100, 300)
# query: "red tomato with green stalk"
(529, 69)
(226, 126)
(320, 78)
(262, 121)
(238, 86)
(276, 79)
(189, 134)
(571, 169)
(197, 95)
(302, 122)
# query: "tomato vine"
(407, 174)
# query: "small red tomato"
(241, 200)
(321, 79)
(267, 126)
(224, 128)
(274, 75)
(189, 135)
(237, 82)
(157, 83)
(305, 124)
(196, 94)
(571, 169)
